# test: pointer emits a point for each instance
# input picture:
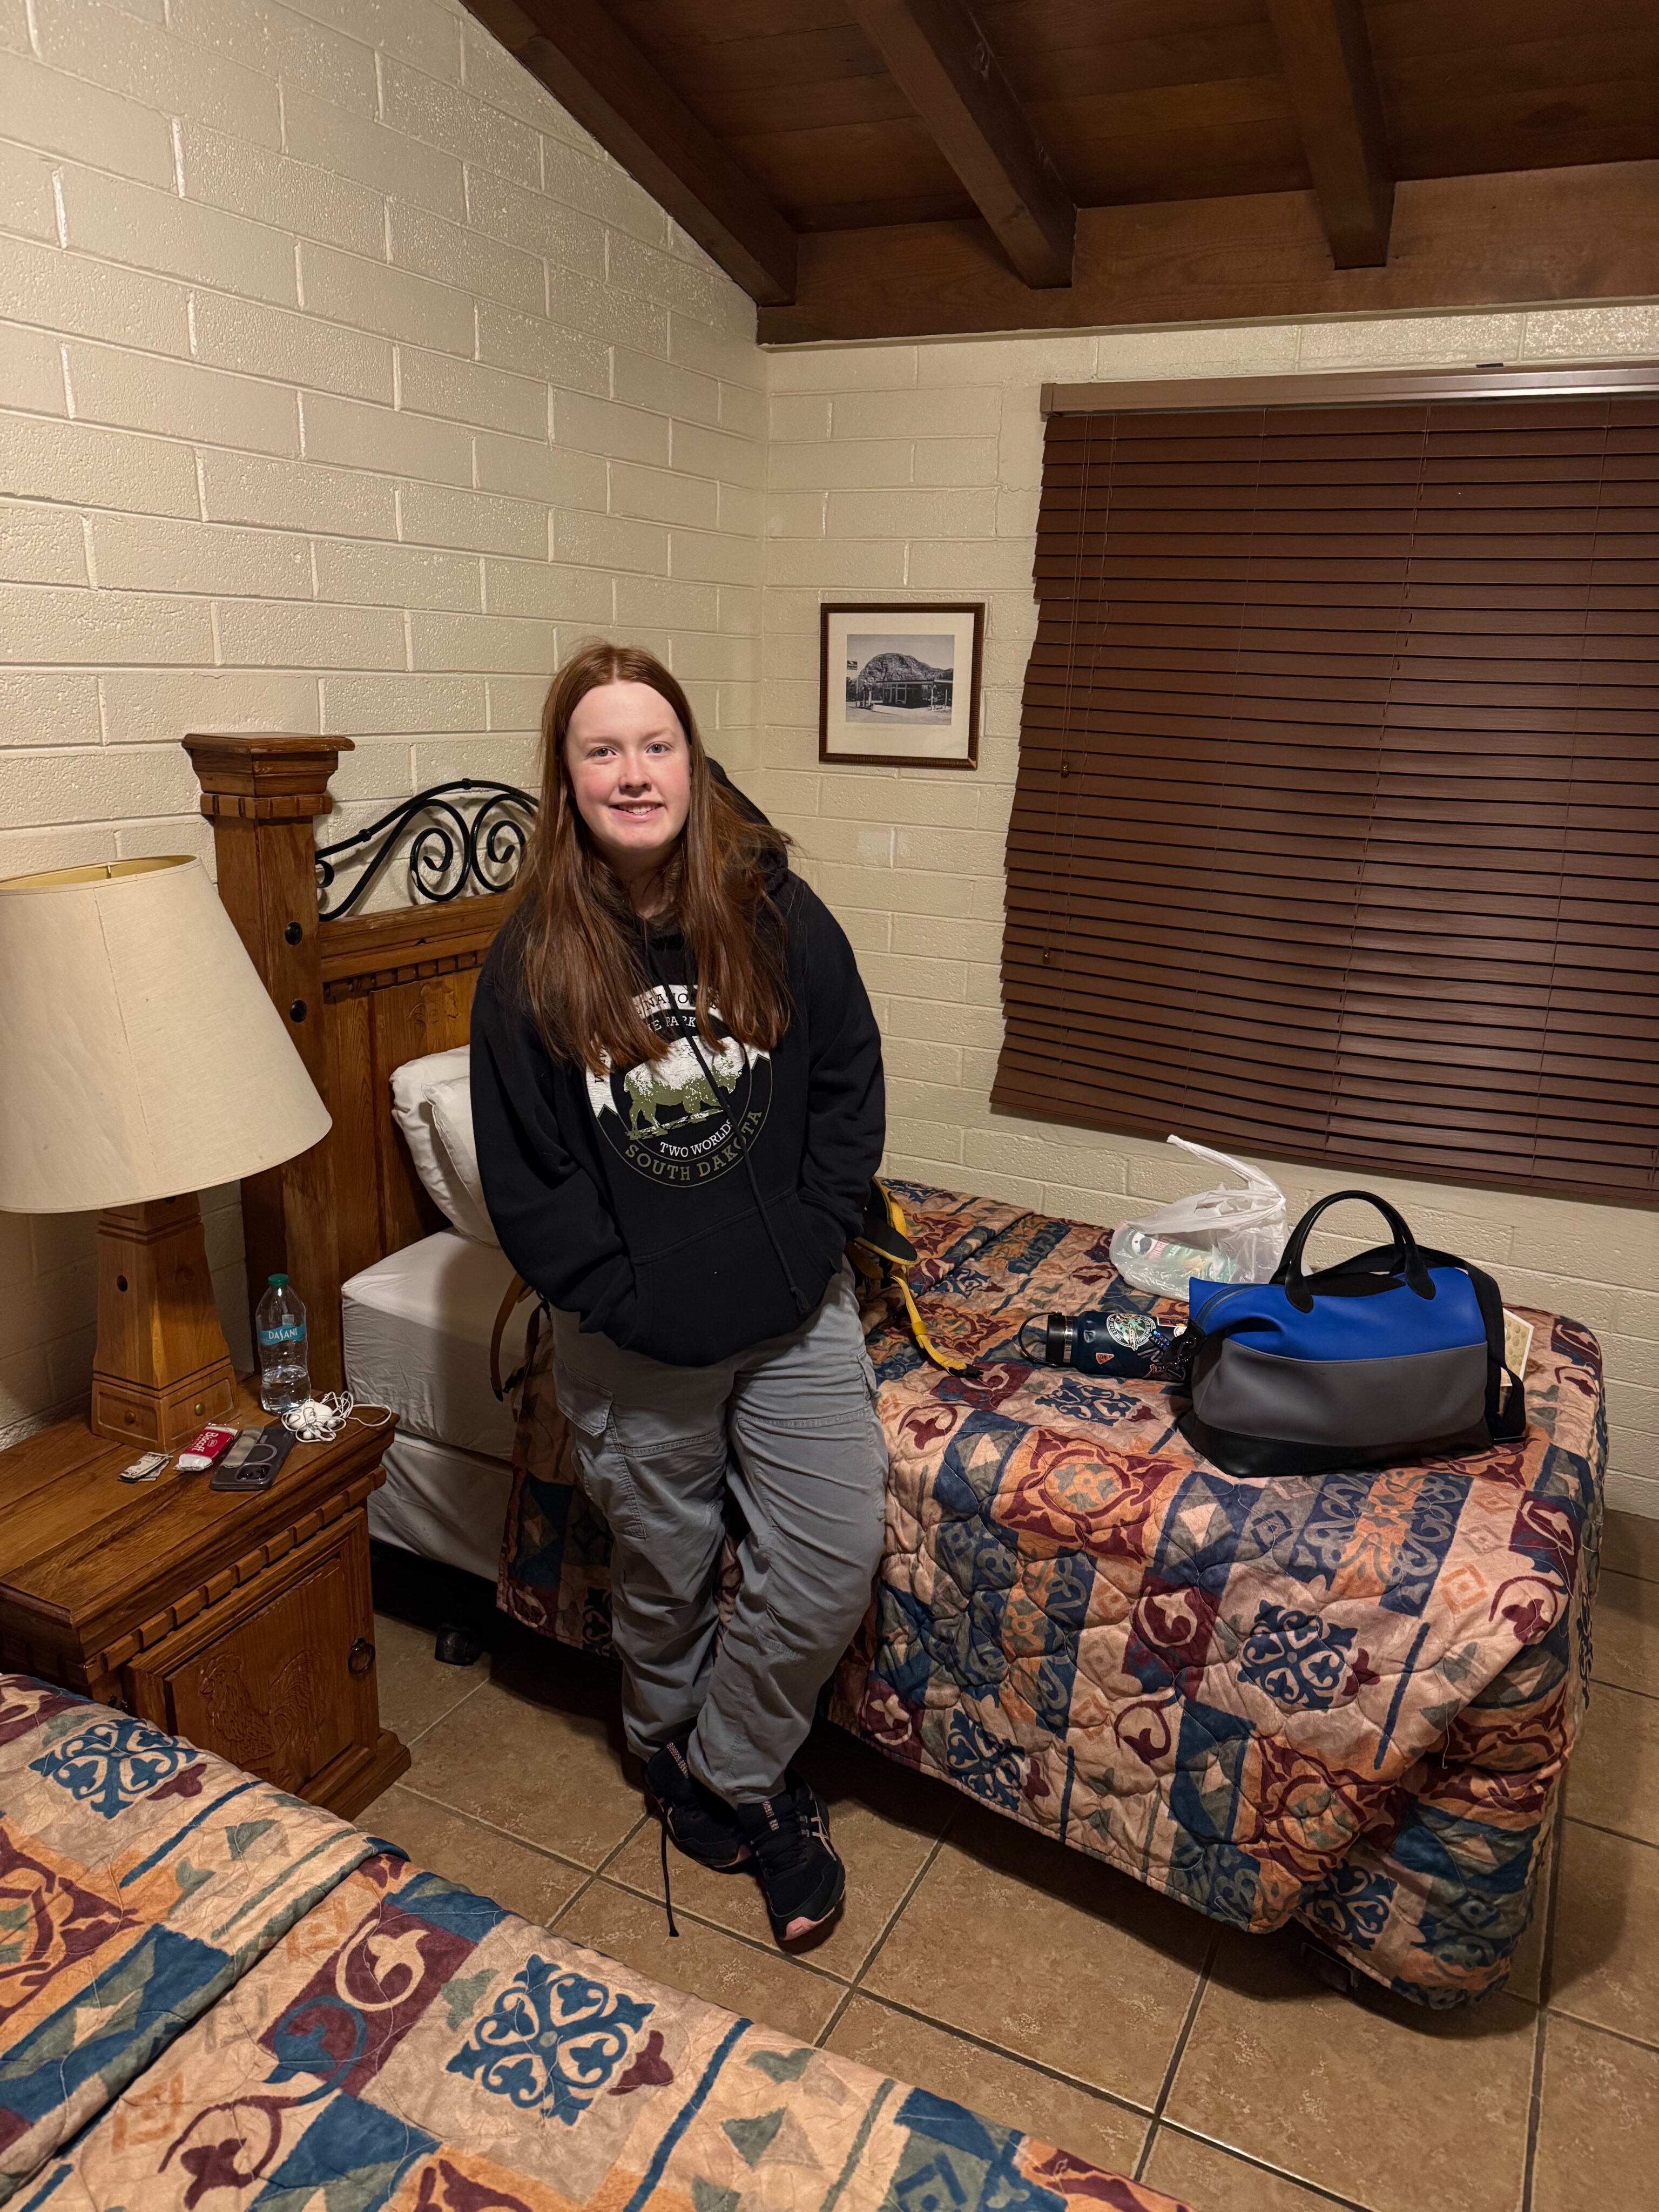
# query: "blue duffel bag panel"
(1396, 1352)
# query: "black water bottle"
(1118, 1341)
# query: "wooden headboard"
(360, 995)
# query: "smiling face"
(630, 766)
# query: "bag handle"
(1405, 1258)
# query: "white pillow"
(432, 1103)
(451, 1109)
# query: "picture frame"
(899, 682)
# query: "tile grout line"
(511, 1835)
(821, 2040)
(1619, 1835)
(1626, 1689)
(1001, 2051)
(855, 1983)
(1535, 2103)
(1264, 2166)
(409, 1741)
(593, 1874)
(1175, 2056)
(701, 1920)
(1552, 1906)
(1546, 1997)
(621, 1844)
(899, 1910)
(1599, 2027)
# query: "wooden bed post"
(263, 793)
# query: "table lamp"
(142, 1061)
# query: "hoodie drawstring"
(693, 1040)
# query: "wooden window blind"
(1336, 832)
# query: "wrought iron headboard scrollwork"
(455, 848)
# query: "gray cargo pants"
(789, 1430)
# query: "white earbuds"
(319, 1421)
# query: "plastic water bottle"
(279, 1329)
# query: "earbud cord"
(319, 1421)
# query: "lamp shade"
(140, 1056)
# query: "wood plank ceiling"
(886, 167)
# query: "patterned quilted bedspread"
(410, 2047)
(214, 1996)
(139, 1879)
(1346, 1699)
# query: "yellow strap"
(879, 1267)
(947, 1360)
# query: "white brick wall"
(346, 384)
(915, 469)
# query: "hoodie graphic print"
(692, 1114)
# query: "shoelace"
(668, 1891)
(785, 1844)
(662, 1815)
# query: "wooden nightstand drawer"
(278, 1676)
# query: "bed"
(1347, 1702)
(416, 1328)
(384, 1277)
(215, 1995)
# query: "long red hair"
(578, 939)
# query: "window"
(1336, 834)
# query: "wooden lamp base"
(162, 1366)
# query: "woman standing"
(677, 1089)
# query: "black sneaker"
(697, 1822)
(801, 1878)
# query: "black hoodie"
(690, 1206)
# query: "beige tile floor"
(990, 1967)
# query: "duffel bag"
(1393, 1355)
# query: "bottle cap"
(277, 1282)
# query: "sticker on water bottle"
(286, 1332)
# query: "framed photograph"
(900, 684)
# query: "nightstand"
(243, 1623)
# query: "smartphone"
(253, 1461)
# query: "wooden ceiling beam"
(1566, 235)
(1327, 59)
(595, 70)
(941, 61)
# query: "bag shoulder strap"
(516, 1292)
(1506, 1391)
(882, 1254)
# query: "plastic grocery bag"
(1222, 1236)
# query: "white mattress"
(418, 1328)
(442, 1503)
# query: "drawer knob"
(360, 1657)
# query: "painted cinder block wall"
(913, 471)
(345, 383)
